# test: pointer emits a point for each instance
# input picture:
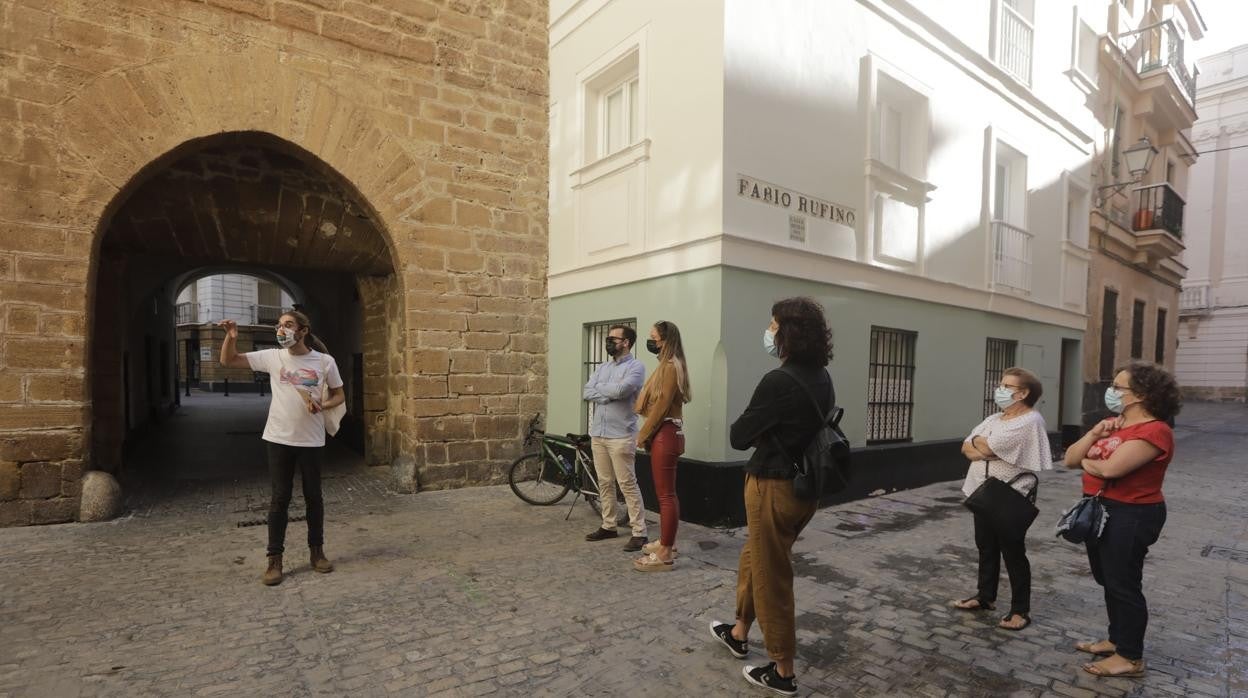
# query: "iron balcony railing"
(186, 313)
(1011, 257)
(1160, 47)
(267, 314)
(1014, 42)
(1158, 207)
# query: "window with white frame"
(1009, 202)
(1077, 213)
(1010, 240)
(899, 124)
(901, 120)
(1013, 37)
(1084, 45)
(619, 122)
(613, 108)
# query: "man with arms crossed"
(612, 389)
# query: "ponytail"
(312, 341)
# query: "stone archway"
(459, 198)
(254, 203)
(307, 126)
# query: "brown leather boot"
(319, 562)
(273, 575)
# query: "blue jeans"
(1117, 560)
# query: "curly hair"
(803, 336)
(1156, 387)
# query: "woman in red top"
(1126, 457)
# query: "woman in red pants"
(660, 403)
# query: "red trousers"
(665, 449)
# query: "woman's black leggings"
(283, 460)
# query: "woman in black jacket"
(778, 423)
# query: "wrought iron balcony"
(266, 314)
(186, 313)
(1158, 207)
(1014, 42)
(1011, 257)
(1159, 47)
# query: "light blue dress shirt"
(613, 389)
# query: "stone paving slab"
(472, 592)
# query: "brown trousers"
(774, 518)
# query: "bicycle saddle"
(579, 439)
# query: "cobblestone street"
(472, 592)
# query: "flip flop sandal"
(1087, 647)
(981, 606)
(1137, 670)
(1026, 622)
(652, 563)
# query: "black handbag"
(1010, 511)
(1085, 520)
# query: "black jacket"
(780, 408)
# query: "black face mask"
(652, 346)
(612, 347)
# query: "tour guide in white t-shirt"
(295, 430)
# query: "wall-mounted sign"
(797, 228)
(794, 202)
(205, 354)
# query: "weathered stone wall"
(432, 111)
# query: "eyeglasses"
(615, 339)
(1011, 387)
(1123, 388)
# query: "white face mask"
(769, 343)
(286, 339)
(1004, 397)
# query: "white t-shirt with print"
(290, 423)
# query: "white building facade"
(1212, 360)
(248, 299)
(920, 168)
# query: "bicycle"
(544, 477)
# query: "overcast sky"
(1228, 25)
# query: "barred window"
(890, 385)
(1159, 351)
(1137, 330)
(595, 353)
(999, 356)
(1109, 333)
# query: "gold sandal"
(652, 563)
(1096, 669)
(1088, 647)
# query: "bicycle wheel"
(537, 481)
